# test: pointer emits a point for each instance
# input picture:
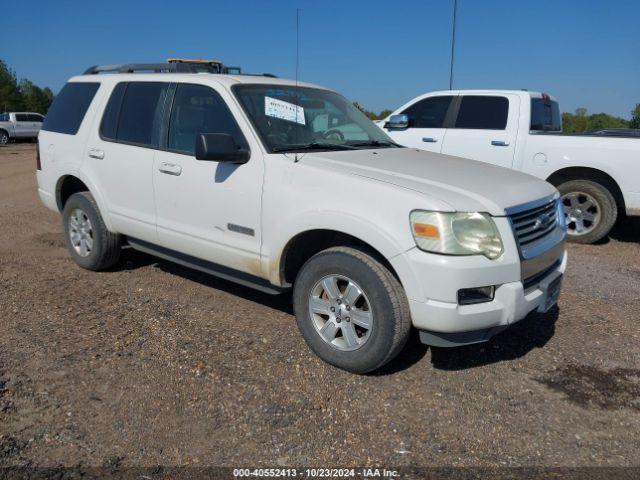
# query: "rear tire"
(369, 302)
(590, 210)
(88, 241)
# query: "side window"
(483, 112)
(109, 125)
(69, 107)
(34, 117)
(140, 113)
(428, 113)
(199, 109)
(22, 117)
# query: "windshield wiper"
(312, 146)
(375, 143)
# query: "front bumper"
(449, 324)
(432, 281)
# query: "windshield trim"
(265, 144)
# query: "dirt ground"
(153, 364)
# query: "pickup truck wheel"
(590, 210)
(89, 242)
(4, 137)
(351, 311)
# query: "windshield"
(292, 119)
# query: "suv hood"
(461, 184)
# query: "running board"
(210, 268)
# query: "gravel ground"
(153, 364)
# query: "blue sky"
(380, 53)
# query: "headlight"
(457, 233)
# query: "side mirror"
(397, 121)
(220, 147)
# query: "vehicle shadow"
(627, 230)
(411, 354)
(133, 259)
(534, 331)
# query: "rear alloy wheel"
(590, 210)
(89, 242)
(80, 232)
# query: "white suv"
(279, 185)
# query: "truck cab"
(598, 175)
(19, 125)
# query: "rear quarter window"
(545, 115)
(69, 107)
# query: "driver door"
(426, 129)
(208, 209)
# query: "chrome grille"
(533, 226)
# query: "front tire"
(590, 210)
(352, 312)
(88, 241)
(4, 137)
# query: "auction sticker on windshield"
(283, 110)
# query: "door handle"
(95, 153)
(429, 139)
(499, 143)
(170, 168)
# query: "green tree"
(10, 97)
(582, 122)
(384, 114)
(34, 98)
(635, 117)
(372, 115)
(600, 121)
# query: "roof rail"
(173, 65)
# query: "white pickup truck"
(19, 125)
(598, 175)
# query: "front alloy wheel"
(4, 138)
(341, 312)
(351, 309)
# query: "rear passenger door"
(207, 209)
(426, 129)
(485, 129)
(36, 123)
(121, 154)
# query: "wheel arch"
(66, 186)
(71, 183)
(587, 173)
(305, 244)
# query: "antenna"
(453, 43)
(297, 43)
(295, 155)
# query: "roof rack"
(173, 65)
